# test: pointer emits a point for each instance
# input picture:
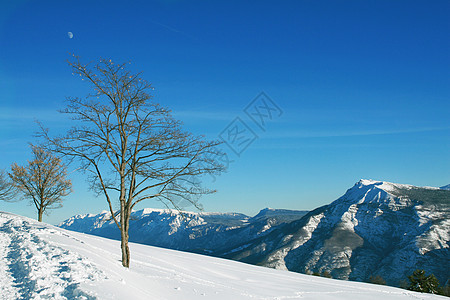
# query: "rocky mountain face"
(375, 228)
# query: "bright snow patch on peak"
(384, 185)
(373, 191)
(390, 186)
(369, 182)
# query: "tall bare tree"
(43, 180)
(132, 147)
(6, 187)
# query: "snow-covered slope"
(40, 261)
(205, 233)
(376, 228)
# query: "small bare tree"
(6, 187)
(132, 147)
(43, 180)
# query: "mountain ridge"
(201, 232)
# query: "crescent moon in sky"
(70, 34)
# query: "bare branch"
(132, 147)
(7, 190)
(43, 181)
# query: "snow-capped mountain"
(445, 187)
(205, 233)
(376, 228)
(40, 261)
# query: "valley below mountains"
(375, 229)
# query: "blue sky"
(363, 87)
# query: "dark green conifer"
(420, 282)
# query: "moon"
(70, 34)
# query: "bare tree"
(132, 147)
(6, 187)
(43, 180)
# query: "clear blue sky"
(364, 88)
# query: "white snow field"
(40, 261)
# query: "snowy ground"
(40, 261)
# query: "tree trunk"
(40, 212)
(124, 240)
(125, 250)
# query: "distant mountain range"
(206, 233)
(375, 228)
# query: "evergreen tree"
(419, 282)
